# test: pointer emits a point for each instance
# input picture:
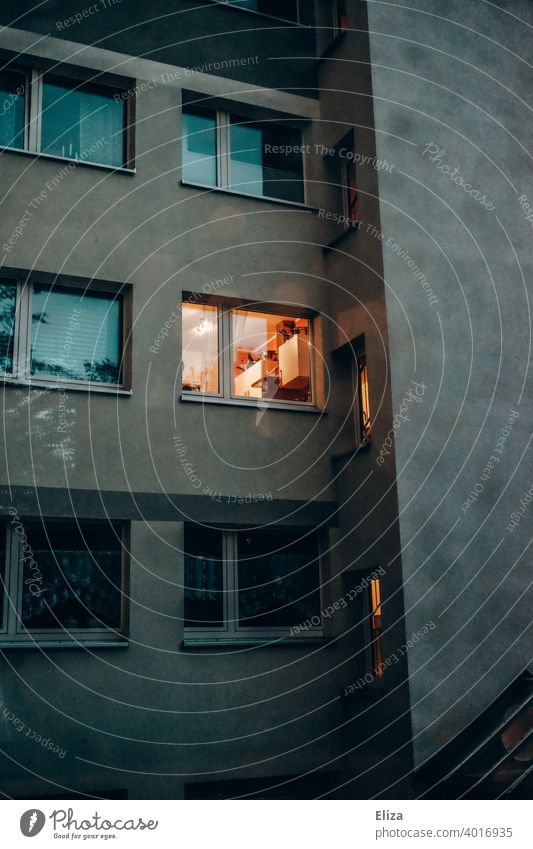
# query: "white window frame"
(230, 629)
(33, 94)
(22, 331)
(223, 157)
(12, 632)
(225, 359)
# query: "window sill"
(260, 405)
(120, 169)
(66, 386)
(238, 642)
(63, 644)
(265, 198)
(333, 244)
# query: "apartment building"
(211, 512)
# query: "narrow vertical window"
(8, 300)
(340, 16)
(199, 146)
(12, 108)
(364, 401)
(200, 348)
(351, 197)
(376, 649)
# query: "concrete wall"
(454, 75)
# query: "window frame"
(297, 22)
(33, 94)
(363, 430)
(21, 373)
(230, 630)
(12, 632)
(225, 355)
(223, 154)
(373, 631)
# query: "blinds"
(76, 336)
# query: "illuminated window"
(200, 348)
(271, 356)
(246, 354)
(363, 405)
(376, 649)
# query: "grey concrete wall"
(455, 75)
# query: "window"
(12, 108)
(374, 627)
(63, 117)
(340, 16)
(363, 402)
(287, 9)
(64, 334)
(246, 354)
(349, 186)
(247, 582)
(251, 157)
(60, 577)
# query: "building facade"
(218, 578)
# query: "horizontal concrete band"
(220, 509)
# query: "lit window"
(62, 577)
(58, 116)
(265, 356)
(238, 583)
(375, 646)
(12, 108)
(65, 334)
(200, 348)
(271, 356)
(251, 157)
(363, 405)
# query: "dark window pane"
(72, 576)
(266, 160)
(2, 571)
(75, 336)
(279, 582)
(204, 597)
(8, 302)
(287, 9)
(199, 163)
(12, 107)
(84, 122)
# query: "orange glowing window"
(375, 628)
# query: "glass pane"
(12, 108)
(271, 356)
(2, 571)
(279, 581)
(287, 9)
(199, 147)
(75, 336)
(83, 123)
(200, 348)
(266, 160)
(8, 302)
(72, 576)
(204, 589)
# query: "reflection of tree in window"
(8, 298)
(76, 336)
